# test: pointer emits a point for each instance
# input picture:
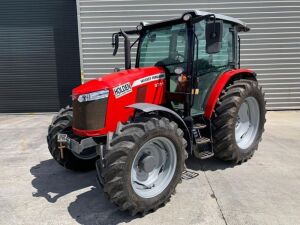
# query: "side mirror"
(127, 46)
(213, 35)
(115, 43)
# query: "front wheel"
(239, 121)
(144, 164)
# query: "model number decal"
(122, 90)
(148, 79)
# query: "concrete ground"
(34, 189)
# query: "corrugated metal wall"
(272, 48)
(39, 55)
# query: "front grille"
(89, 115)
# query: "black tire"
(225, 118)
(119, 158)
(62, 122)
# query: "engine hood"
(112, 80)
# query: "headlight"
(93, 96)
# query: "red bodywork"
(155, 88)
(116, 108)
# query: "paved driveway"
(34, 189)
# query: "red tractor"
(186, 95)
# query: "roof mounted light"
(139, 27)
(187, 17)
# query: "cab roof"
(241, 26)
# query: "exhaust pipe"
(127, 48)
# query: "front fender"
(147, 108)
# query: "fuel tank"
(98, 117)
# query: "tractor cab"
(193, 49)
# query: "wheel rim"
(153, 167)
(247, 123)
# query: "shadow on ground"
(90, 207)
(211, 164)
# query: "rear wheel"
(62, 122)
(144, 164)
(239, 121)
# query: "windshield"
(164, 46)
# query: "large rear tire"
(144, 165)
(62, 122)
(239, 121)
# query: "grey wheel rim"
(153, 167)
(247, 123)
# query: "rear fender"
(148, 108)
(221, 83)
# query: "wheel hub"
(153, 167)
(147, 164)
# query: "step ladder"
(201, 141)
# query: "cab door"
(207, 67)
